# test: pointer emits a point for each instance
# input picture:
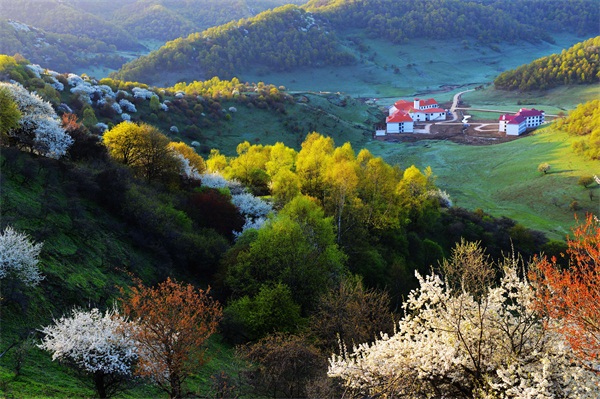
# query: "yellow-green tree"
(312, 162)
(195, 160)
(142, 147)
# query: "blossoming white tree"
(39, 127)
(461, 343)
(19, 257)
(94, 343)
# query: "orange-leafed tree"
(171, 323)
(570, 296)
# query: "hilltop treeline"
(584, 121)
(578, 64)
(168, 20)
(483, 20)
(57, 17)
(281, 39)
(63, 51)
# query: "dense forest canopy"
(282, 39)
(576, 65)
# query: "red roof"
(429, 110)
(399, 117)
(520, 116)
(405, 105)
(529, 112)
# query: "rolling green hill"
(576, 65)
(237, 49)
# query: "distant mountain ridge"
(228, 50)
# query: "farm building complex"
(403, 115)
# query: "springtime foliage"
(144, 148)
(172, 322)
(19, 257)
(571, 296)
(39, 127)
(453, 343)
(578, 64)
(94, 343)
(584, 121)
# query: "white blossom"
(92, 341)
(213, 180)
(19, 257)
(117, 108)
(40, 127)
(442, 197)
(36, 69)
(164, 107)
(174, 129)
(74, 80)
(138, 92)
(251, 206)
(103, 127)
(453, 344)
(127, 105)
(125, 117)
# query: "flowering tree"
(39, 127)
(571, 297)
(94, 343)
(452, 343)
(19, 257)
(172, 322)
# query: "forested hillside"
(576, 65)
(168, 20)
(299, 244)
(58, 17)
(63, 51)
(313, 35)
(282, 39)
(79, 33)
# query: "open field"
(503, 180)
(424, 67)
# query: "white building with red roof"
(403, 114)
(514, 125)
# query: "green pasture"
(503, 180)
(423, 66)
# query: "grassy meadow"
(503, 180)
(424, 66)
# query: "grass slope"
(434, 65)
(503, 179)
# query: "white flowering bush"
(127, 105)
(454, 344)
(93, 342)
(187, 169)
(138, 92)
(40, 128)
(117, 108)
(102, 127)
(254, 210)
(164, 107)
(213, 180)
(36, 69)
(19, 257)
(74, 79)
(125, 116)
(174, 129)
(251, 206)
(442, 197)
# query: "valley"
(239, 212)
